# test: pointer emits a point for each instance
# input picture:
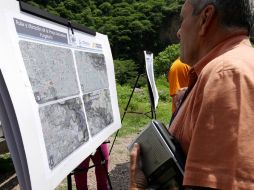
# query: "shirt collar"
(221, 48)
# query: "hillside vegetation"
(131, 25)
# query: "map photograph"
(92, 71)
(64, 129)
(52, 75)
(50, 70)
(98, 110)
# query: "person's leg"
(81, 176)
(101, 175)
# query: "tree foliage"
(163, 61)
(125, 71)
(131, 25)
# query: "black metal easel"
(153, 110)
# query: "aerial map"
(54, 80)
(50, 70)
(92, 71)
(64, 129)
(98, 110)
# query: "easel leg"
(125, 110)
(69, 183)
(133, 89)
(103, 162)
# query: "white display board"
(150, 75)
(1, 130)
(62, 88)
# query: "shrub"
(163, 61)
(125, 71)
(163, 89)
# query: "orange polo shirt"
(177, 78)
(215, 124)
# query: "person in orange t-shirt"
(178, 78)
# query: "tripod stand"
(79, 170)
(153, 110)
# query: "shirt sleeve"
(214, 151)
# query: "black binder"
(162, 159)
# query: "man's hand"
(179, 95)
(137, 178)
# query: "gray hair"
(200, 4)
(231, 13)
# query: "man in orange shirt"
(214, 124)
(178, 78)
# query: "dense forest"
(131, 25)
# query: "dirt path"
(119, 173)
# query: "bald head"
(231, 13)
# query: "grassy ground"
(140, 103)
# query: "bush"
(163, 89)
(163, 61)
(125, 71)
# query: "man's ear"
(206, 17)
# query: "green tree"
(132, 26)
(163, 61)
(73, 6)
(125, 71)
(106, 8)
